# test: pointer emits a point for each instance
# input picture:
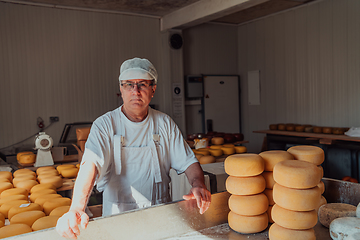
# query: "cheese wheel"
(42, 186)
(271, 158)
(42, 199)
(22, 178)
(340, 228)
(45, 169)
(269, 195)
(249, 205)
(2, 218)
(23, 208)
(298, 220)
(244, 165)
(296, 199)
(277, 232)
(59, 211)
(329, 212)
(322, 202)
(70, 172)
(37, 194)
(64, 166)
(57, 181)
(23, 171)
(45, 222)
(248, 224)
(4, 186)
(4, 209)
(22, 153)
(217, 140)
(14, 229)
(207, 159)
(321, 185)
(228, 150)
(245, 185)
(51, 204)
(202, 152)
(27, 218)
(2, 223)
(228, 145)
(14, 191)
(321, 171)
(27, 158)
(269, 179)
(216, 146)
(296, 174)
(271, 220)
(48, 173)
(12, 198)
(240, 149)
(216, 152)
(7, 175)
(27, 184)
(307, 153)
(5, 180)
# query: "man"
(129, 153)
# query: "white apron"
(136, 179)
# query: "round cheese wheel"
(217, 140)
(298, 220)
(64, 166)
(249, 205)
(321, 171)
(59, 211)
(57, 181)
(22, 178)
(42, 199)
(216, 152)
(22, 153)
(296, 174)
(340, 228)
(322, 202)
(228, 145)
(14, 229)
(27, 158)
(26, 184)
(23, 208)
(207, 159)
(271, 158)
(271, 220)
(202, 152)
(70, 172)
(5, 180)
(45, 169)
(46, 175)
(14, 191)
(248, 224)
(27, 218)
(45, 222)
(4, 186)
(277, 232)
(12, 198)
(4, 209)
(42, 186)
(321, 185)
(269, 195)
(48, 172)
(296, 199)
(51, 204)
(281, 127)
(244, 165)
(216, 146)
(245, 185)
(228, 150)
(329, 212)
(7, 175)
(37, 194)
(23, 171)
(307, 153)
(240, 149)
(269, 179)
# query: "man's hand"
(202, 196)
(67, 225)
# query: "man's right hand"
(67, 225)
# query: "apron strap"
(117, 153)
(155, 155)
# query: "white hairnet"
(138, 68)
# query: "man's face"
(137, 93)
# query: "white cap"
(138, 68)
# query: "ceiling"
(181, 13)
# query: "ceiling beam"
(204, 11)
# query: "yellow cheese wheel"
(45, 222)
(5, 180)
(202, 152)
(248, 224)
(297, 174)
(250, 205)
(228, 150)
(228, 145)
(216, 152)
(2, 223)
(217, 140)
(23, 208)
(6, 174)
(2, 218)
(321, 185)
(271, 158)
(42, 186)
(48, 172)
(14, 229)
(23, 178)
(244, 165)
(51, 204)
(26, 184)
(22, 153)
(64, 166)
(43, 198)
(269, 179)
(27, 158)
(269, 194)
(321, 171)
(57, 181)
(37, 194)
(322, 202)
(12, 198)
(271, 220)
(14, 191)
(207, 159)
(240, 149)
(216, 146)
(298, 220)
(70, 172)
(245, 185)
(5, 185)
(296, 199)
(41, 170)
(27, 218)
(277, 232)
(59, 211)
(45, 175)
(307, 153)
(23, 171)
(4, 209)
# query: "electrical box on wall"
(194, 87)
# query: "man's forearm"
(195, 175)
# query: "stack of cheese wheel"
(271, 158)
(24, 178)
(314, 155)
(248, 203)
(296, 197)
(49, 175)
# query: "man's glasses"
(129, 86)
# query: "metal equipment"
(43, 145)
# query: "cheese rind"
(57, 181)
(4, 186)
(23, 208)
(240, 149)
(329, 212)
(28, 217)
(59, 211)
(14, 229)
(244, 165)
(272, 157)
(45, 222)
(7, 175)
(269, 179)
(308, 153)
(51, 204)
(4, 209)
(249, 205)
(23, 171)
(12, 198)
(27, 184)
(269, 194)
(42, 199)
(70, 172)
(276, 232)
(248, 224)
(343, 227)
(207, 159)
(321, 185)
(245, 185)
(42, 186)
(37, 194)
(14, 191)
(271, 220)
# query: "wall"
(309, 65)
